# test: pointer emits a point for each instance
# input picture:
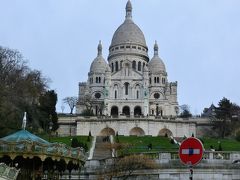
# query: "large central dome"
(128, 32)
(128, 38)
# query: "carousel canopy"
(28, 145)
(24, 135)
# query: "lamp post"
(50, 129)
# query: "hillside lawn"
(155, 143)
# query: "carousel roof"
(24, 135)
(23, 143)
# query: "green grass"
(140, 144)
(68, 140)
(227, 144)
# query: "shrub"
(238, 136)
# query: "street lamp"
(50, 129)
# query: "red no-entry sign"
(191, 151)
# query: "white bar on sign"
(188, 151)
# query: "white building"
(129, 83)
(129, 89)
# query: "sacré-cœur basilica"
(129, 92)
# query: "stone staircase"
(102, 150)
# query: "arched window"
(116, 66)
(143, 65)
(96, 79)
(155, 80)
(99, 79)
(163, 80)
(137, 94)
(115, 94)
(150, 81)
(126, 88)
(134, 65)
(139, 66)
(112, 67)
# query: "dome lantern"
(100, 48)
(129, 10)
(155, 49)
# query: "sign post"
(190, 153)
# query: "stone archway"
(137, 131)
(165, 132)
(114, 111)
(137, 111)
(126, 110)
(107, 132)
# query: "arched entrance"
(137, 111)
(126, 110)
(165, 132)
(137, 131)
(114, 111)
(107, 132)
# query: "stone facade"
(129, 94)
(129, 83)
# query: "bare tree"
(71, 102)
(124, 166)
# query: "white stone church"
(129, 83)
(130, 93)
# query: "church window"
(121, 47)
(116, 48)
(121, 62)
(96, 79)
(139, 66)
(137, 94)
(134, 65)
(150, 81)
(139, 48)
(115, 94)
(97, 95)
(112, 67)
(127, 47)
(126, 88)
(163, 80)
(143, 65)
(156, 95)
(157, 79)
(143, 49)
(134, 47)
(116, 66)
(99, 79)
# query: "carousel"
(37, 158)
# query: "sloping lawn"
(226, 144)
(141, 144)
(147, 143)
(68, 140)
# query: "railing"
(208, 155)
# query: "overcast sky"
(199, 41)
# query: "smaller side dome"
(156, 64)
(99, 64)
